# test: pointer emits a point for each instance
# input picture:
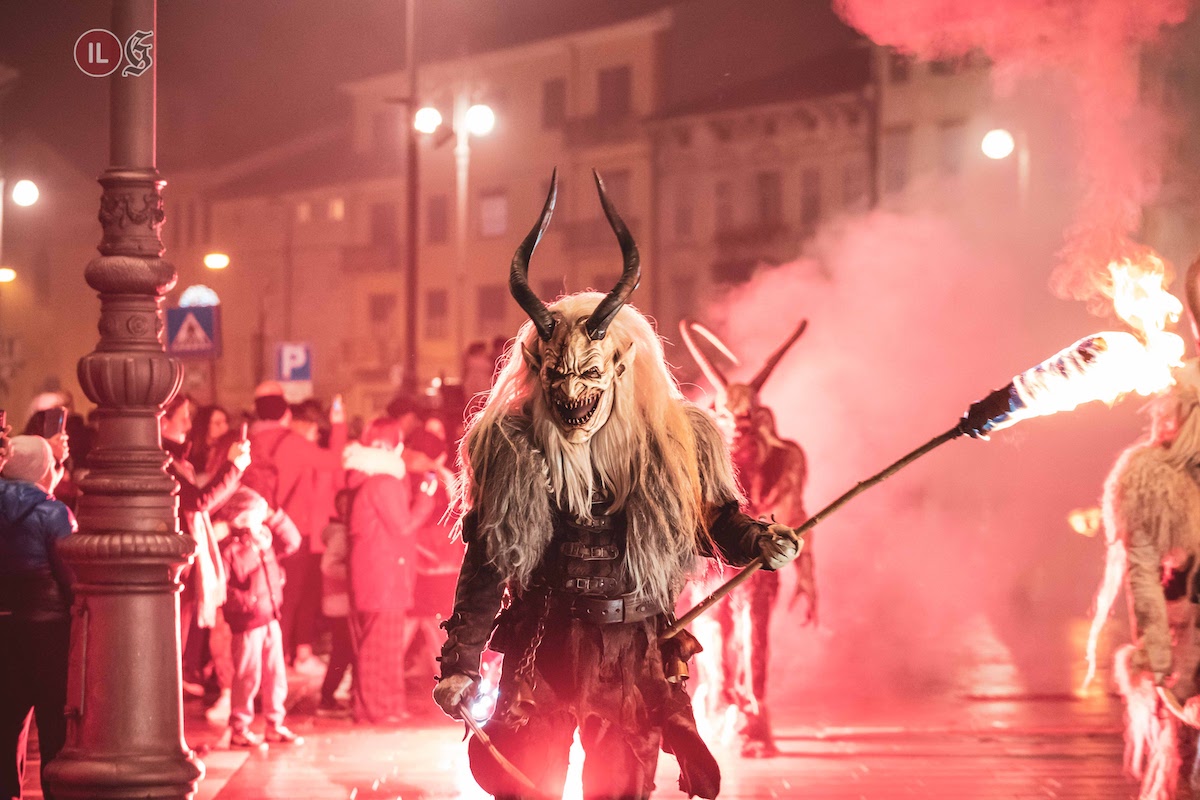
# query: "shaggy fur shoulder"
(510, 497)
(716, 468)
(1150, 501)
(1152, 507)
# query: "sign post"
(294, 370)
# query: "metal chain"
(525, 668)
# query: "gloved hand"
(779, 546)
(452, 690)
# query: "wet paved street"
(1044, 748)
(1028, 747)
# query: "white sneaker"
(218, 712)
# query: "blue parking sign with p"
(293, 361)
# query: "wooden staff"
(809, 524)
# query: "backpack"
(263, 476)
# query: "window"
(380, 308)
(618, 185)
(191, 227)
(554, 103)
(723, 197)
(810, 197)
(437, 313)
(493, 212)
(337, 209)
(854, 186)
(899, 67)
(952, 142)
(945, 66)
(493, 305)
(897, 151)
(604, 281)
(385, 132)
(768, 189)
(383, 224)
(437, 219)
(684, 213)
(683, 288)
(616, 93)
(303, 211)
(551, 290)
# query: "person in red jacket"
(253, 607)
(385, 517)
(287, 471)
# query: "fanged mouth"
(576, 413)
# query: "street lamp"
(468, 119)
(25, 193)
(7, 274)
(998, 144)
(216, 261)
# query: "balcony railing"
(595, 234)
(592, 131)
(756, 235)
(371, 258)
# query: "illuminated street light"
(997, 144)
(427, 119)
(25, 193)
(480, 119)
(7, 274)
(216, 261)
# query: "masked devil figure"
(1152, 525)
(591, 487)
(772, 472)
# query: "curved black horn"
(597, 324)
(1191, 291)
(518, 275)
(773, 361)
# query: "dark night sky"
(236, 76)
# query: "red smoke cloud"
(1096, 43)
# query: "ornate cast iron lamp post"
(125, 719)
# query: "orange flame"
(1108, 365)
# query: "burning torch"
(1102, 366)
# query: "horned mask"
(737, 405)
(577, 365)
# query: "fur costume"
(772, 471)
(590, 488)
(1151, 512)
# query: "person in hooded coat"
(35, 603)
(385, 517)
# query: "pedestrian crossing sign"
(194, 331)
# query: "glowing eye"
(592, 373)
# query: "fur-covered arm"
(735, 534)
(1149, 608)
(476, 603)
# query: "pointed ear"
(622, 360)
(534, 361)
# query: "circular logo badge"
(98, 53)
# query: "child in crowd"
(252, 609)
(335, 605)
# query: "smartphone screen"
(55, 422)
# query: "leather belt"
(603, 552)
(627, 608)
(599, 584)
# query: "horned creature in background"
(1151, 513)
(591, 486)
(772, 472)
